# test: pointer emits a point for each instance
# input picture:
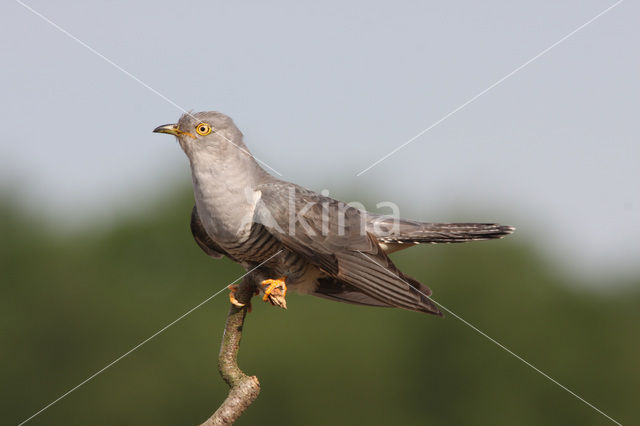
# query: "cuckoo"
(302, 240)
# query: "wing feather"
(332, 236)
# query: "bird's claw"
(275, 292)
(232, 297)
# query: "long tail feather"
(419, 232)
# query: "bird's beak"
(171, 129)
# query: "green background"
(72, 303)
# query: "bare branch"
(243, 389)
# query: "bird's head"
(205, 132)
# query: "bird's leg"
(275, 292)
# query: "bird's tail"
(407, 231)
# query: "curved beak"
(171, 129)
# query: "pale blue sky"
(322, 90)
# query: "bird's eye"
(203, 129)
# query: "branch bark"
(243, 389)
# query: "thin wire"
(491, 339)
(118, 67)
(142, 343)
(489, 88)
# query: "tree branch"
(243, 389)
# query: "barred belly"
(260, 246)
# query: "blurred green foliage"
(71, 305)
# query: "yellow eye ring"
(203, 129)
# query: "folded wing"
(333, 237)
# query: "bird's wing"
(332, 289)
(333, 237)
(203, 239)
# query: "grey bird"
(299, 238)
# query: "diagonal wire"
(142, 343)
(488, 88)
(494, 341)
(133, 77)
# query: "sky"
(324, 90)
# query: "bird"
(301, 240)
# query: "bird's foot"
(232, 297)
(275, 292)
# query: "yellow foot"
(232, 296)
(275, 292)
